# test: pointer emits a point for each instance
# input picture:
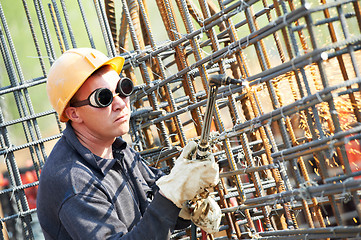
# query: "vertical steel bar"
(356, 6)
(316, 119)
(67, 21)
(60, 24)
(103, 25)
(230, 219)
(44, 30)
(290, 130)
(341, 63)
(136, 36)
(167, 14)
(110, 13)
(244, 70)
(13, 170)
(57, 28)
(36, 42)
(31, 125)
(265, 131)
(169, 95)
(145, 74)
(333, 111)
(233, 109)
(86, 25)
(182, 6)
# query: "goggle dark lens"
(103, 97)
(125, 87)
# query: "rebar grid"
(287, 141)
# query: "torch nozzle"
(223, 79)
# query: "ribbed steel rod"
(45, 30)
(67, 21)
(146, 76)
(86, 25)
(57, 28)
(35, 39)
(60, 25)
(169, 97)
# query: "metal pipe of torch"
(215, 81)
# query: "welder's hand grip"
(205, 214)
(189, 177)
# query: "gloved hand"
(189, 177)
(206, 214)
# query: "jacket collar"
(104, 165)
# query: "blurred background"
(287, 140)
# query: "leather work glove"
(189, 177)
(206, 214)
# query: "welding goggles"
(103, 97)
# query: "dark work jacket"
(82, 196)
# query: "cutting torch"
(215, 81)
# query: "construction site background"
(287, 140)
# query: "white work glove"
(189, 176)
(206, 214)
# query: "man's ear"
(72, 114)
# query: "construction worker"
(93, 184)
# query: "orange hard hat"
(71, 70)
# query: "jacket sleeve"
(96, 219)
(151, 175)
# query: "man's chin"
(122, 129)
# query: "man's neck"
(98, 146)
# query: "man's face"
(111, 121)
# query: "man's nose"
(119, 102)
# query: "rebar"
(287, 141)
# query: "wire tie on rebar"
(293, 64)
(306, 236)
(344, 185)
(12, 194)
(228, 51)
(282, 159)
(334, 111)
(283, 116)
(230, 89)
(143, 89)
(240, 8)
(321, 196)
(255, 236)
(131, 61)
(319, 97)
(303, 193)
(158, 87)
(333, 231)
(275, 206)
(247, 41)
(179, 34)
(150, 59)
(203, 29)
(304, 186)
(285, 19)
(161, 150)
(252, 125)
(301, 102)
(6, 153)
(239, 44)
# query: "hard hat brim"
(116, 63)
